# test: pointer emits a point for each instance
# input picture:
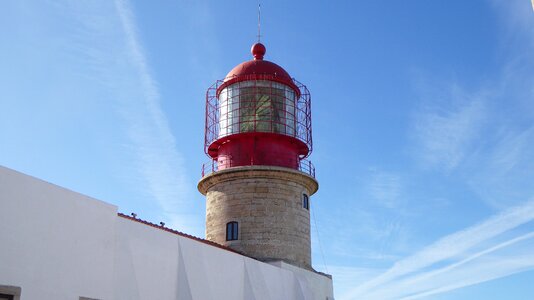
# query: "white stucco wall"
(155, 264)
(320, 284)
(58, 244)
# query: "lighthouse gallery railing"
(304, 166)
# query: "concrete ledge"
(14, 291)
(258, 172)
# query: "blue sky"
(423, 122)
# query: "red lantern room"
(258, 115)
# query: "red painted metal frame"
(302, 130)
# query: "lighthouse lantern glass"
(257, 106)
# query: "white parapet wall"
(58, 244)
(321, 284)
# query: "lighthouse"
(258, 183)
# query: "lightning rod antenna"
(259, 22)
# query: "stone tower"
(258, 183)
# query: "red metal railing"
(304, 166)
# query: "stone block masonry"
(267, 204)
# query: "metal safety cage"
(304, 166)
(259, 105)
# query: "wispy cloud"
(447, 258)
(476, 268)
(484, 136)
(346, 277)
(103, 46)
(445, 132)
(502, 174)
(385, 188)
(159, 161)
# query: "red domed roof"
(258, 69)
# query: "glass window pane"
(261, 106)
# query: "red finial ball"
(258, 51)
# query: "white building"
(58, 244)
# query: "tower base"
(267, 203)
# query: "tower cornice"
(256, 171)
